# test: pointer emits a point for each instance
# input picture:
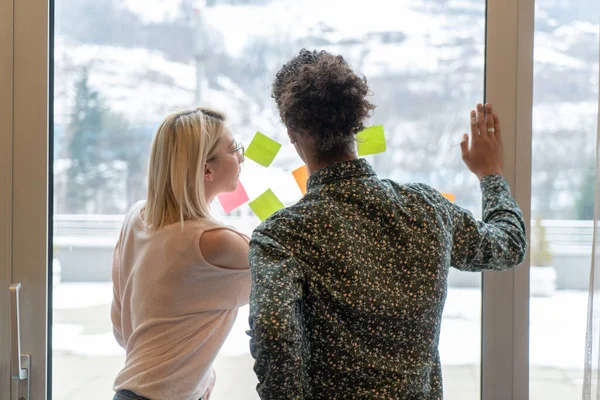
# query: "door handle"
(20, 363)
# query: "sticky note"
(371, 141)
(265, 205)
(301, 176)
(449, 196)
(262, 149)
(231, 201)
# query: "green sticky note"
(371, 141)
(266, 204)
(262, 149)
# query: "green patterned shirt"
(349, 284)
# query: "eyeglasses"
(239, 149)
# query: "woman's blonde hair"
(182, 144)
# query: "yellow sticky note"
(449, 197)
(301, 176)
(371, 141)
(265, 205)
(262, 149)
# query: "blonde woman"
(179, 276)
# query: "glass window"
(121, 66)
(563, 175)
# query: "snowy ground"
(86, 357)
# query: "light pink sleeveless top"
(172, 310)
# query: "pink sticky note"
(231, 201)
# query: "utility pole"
(200, 50)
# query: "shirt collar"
(340, 171)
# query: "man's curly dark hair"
(320, 97)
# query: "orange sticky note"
(231, 201)
(301, 176)
(449, 196)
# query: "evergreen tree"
(84, 134)
(107, 160)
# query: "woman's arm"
(225, 248)
(115, 311)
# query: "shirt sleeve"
(275, 324)
(496, 243)
(499, 241)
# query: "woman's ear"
(208, 173)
